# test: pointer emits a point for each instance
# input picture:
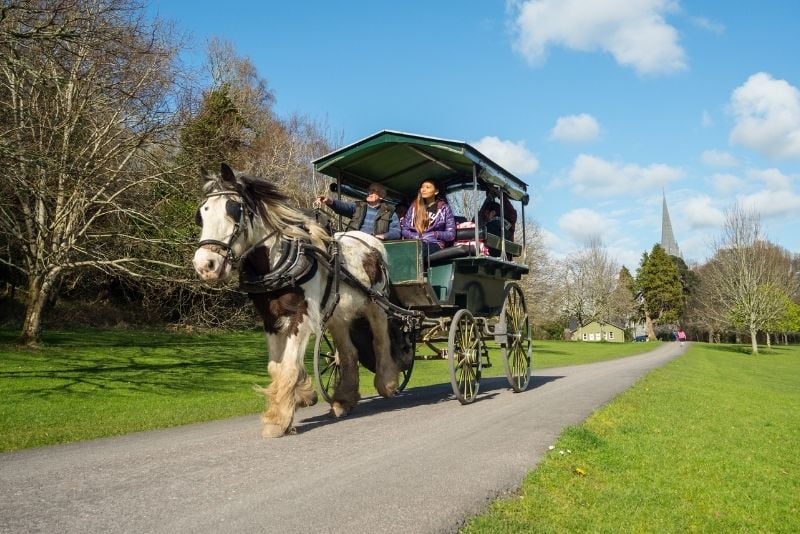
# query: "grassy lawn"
(708, 443)
(89, 384)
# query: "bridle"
(237, 211)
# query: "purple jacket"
(441, 231)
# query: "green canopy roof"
(400, 161)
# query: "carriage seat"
(450, 253)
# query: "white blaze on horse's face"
(210, 261)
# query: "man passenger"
(371, 215)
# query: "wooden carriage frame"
(462, 298)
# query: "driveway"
(419, 462)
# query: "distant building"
(595, 331)
(668, 242)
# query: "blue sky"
(598, 106)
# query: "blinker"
(233, 210)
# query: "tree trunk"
(651, 333)
(39, 288)
(754, 340)
(769, 341)
(710, 336)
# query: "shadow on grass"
(746, 349)
(124, 363)
(420, 396)
(547, 349)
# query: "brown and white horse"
(249, 226)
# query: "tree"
(541, 284)
(789, 322)
(591, 279)
(623, 299)
(660, 285)
(703, 311)
(255, 139)
(748, 278)
(86, 124)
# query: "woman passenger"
(430, 220)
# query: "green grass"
(87, 384)
(708, 443)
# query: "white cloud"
(705, 119)
(633, 31)
(774, 179)
(627, 257)
(699, 213)
(772, 203)
(707, 24)
(719, 158)
(767, 114)
(512, 156)
(595, 176)
(576, 128)
(583, 224)
(726, 184)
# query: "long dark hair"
(421, 220)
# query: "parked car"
(640, 338)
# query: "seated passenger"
(429, 219)
(371, 215)
(489, 217)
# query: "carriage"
(461, 299)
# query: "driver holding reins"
(371, 215)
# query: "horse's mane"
(272, 206)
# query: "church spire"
(668, 242)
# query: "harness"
(297, 263)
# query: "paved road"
(420, 462)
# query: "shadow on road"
(419, 396)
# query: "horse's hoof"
(272, 431)
(386, 390)
(310, 401)
(339, 410)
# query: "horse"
(284, 264)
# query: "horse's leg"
(386, 370)
(304, 394)
(289, 381)
(346, 395)
(276, 344)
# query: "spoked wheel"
(327, 371)
(464, 354)
(405, 376)
(517, 346)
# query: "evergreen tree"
(214, 134)
(661, 287)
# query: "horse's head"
(225, 219)
(241, 213)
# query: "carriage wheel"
(517, 346)
(327, 371)
(464, 355)
(405, 375)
